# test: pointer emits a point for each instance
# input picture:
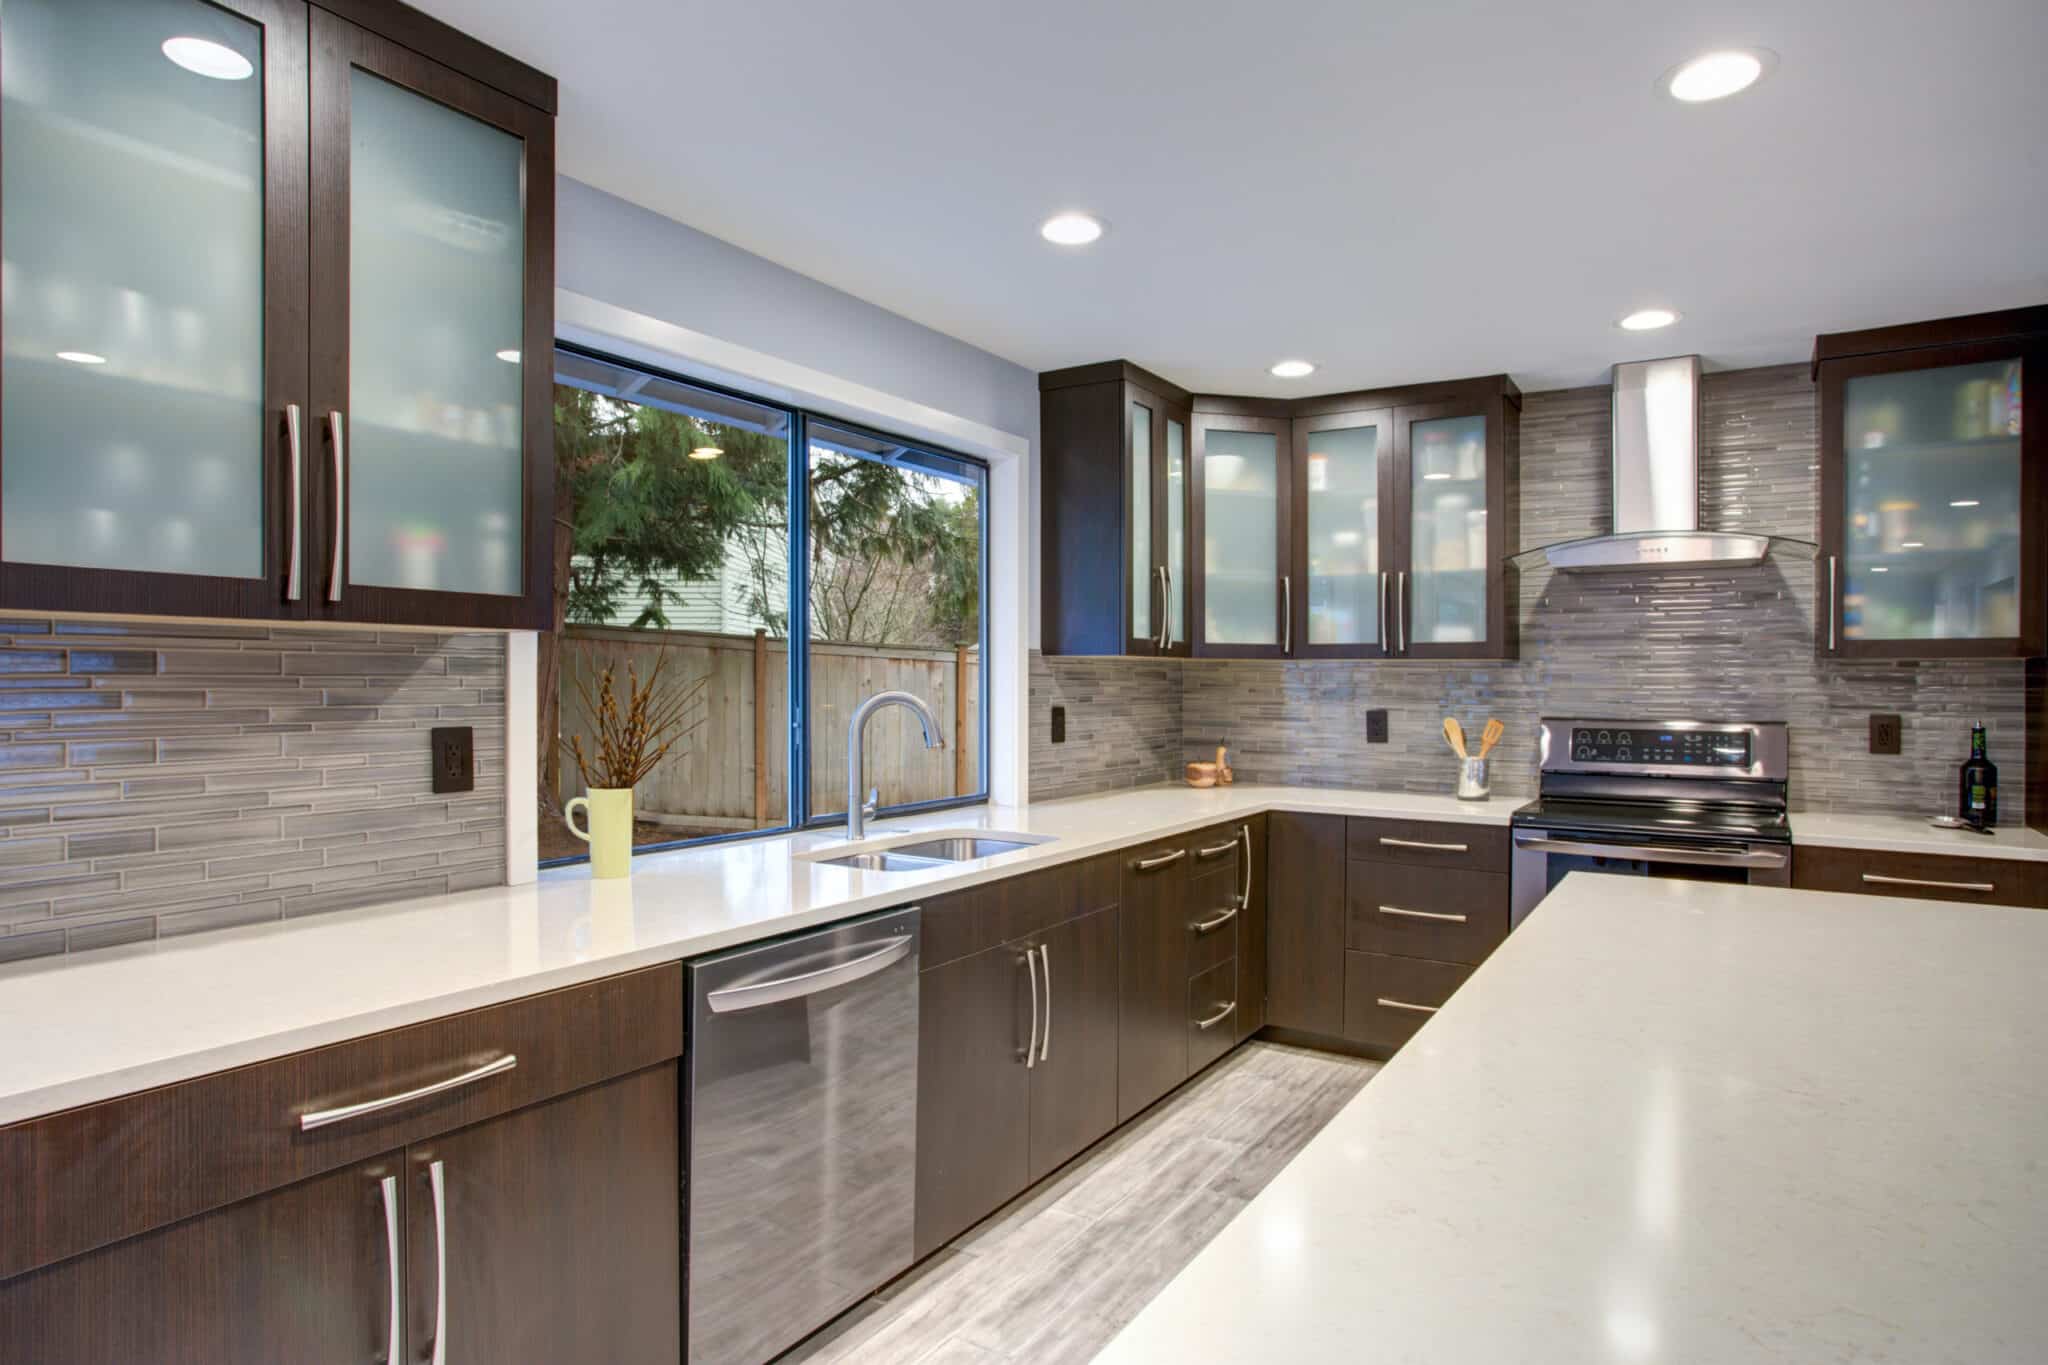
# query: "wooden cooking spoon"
(1490, 736)
(1455, 733)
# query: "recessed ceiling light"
(1071, 229)
(1717, 75)
(1964, 502)
(1912, 544)
(509, 356)
(1292, 369)
(706, 453)
(1432, 478)
(1879, 568)
(82, 357)
(204, 57)
(1647, 320)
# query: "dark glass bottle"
(1977, 789)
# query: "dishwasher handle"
(778, 989)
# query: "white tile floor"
(1053, 1276)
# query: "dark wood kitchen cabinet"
(1152, 1037)
(1934, 489)
(202, 1221)
(1116, 514)
(1244, 503)
(280, 344)
(1017, 1028)
(1305, 923)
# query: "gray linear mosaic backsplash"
(160, 778)
(1719, 644)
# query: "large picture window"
(705, 531)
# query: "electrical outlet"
(1376, 727)
(1884, 733)
(454, 753)
(1059, 725)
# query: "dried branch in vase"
(631, 741)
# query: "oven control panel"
(1637, 745)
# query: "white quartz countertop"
(1672, 1121)
(1912, 834)
(105, 1023)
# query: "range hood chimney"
(1656, 488)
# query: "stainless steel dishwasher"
(802, 1114)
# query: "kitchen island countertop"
(1672, 1121)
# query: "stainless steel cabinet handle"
(1383, 612)
(1421, 914)
(1244, 895)
(1833, 614)
(1417, 843)
(296, 560)
(1655, 853)
(1203, 926)
(1147, 864)
(1166, 607)
(334, 438)
(437, 1178)
(1218, 1017)
(1215, 849)
(1045, 1031)
(1286, 614)
(320, 1118)
(759, 993)
(1401, 609)
(1031, 1039)
(394, 1353)
(1916, 881)
(1404, 1005)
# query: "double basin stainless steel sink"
(936, 851)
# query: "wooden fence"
(733, 772)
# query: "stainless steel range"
(1693, 799)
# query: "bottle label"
(1976, 796)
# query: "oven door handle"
(1654, 853)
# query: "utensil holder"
(1472, 780)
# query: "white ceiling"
(1400, 190)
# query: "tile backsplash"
(1718, 643)
(160, 778)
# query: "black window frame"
(799, 814)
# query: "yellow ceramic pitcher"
(608, 815)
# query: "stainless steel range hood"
(1656, 488)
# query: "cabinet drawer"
(1212, 1000)
(960, 923)
(1215, 850)
(1445, 914)
(1923, 876)
(86, 1177)
(1387, 998)
(1429, 843)
(1210, 899)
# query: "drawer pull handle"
(320, 1118)
(1916, 881)
(1422, 914)
(438, 1181)
(1433, 848)
(1406, 1005)
(1147, 864)
(1218, 1017)
(1244, 894)
(1045, 1034)
(1203, 926)
(1215, 849)
(1031, 1039)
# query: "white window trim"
(647, 340)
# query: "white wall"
(652, 289)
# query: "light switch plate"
(1059, 725)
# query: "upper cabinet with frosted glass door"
(217, 253)
(1116, 478)
(1934, 500)
(1455, 497)
(1244, 497)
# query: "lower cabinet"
(1212, 1012)
(1386, 998)
(1305, 923)
(973, 1097)
(1073, 1081)
(1923, 876)
(551, 1233)
(1152, 1034)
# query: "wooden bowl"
(1201, 774)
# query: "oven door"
(1543, 857)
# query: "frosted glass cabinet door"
(1244, 503)
(1176, 534)
(1448, 554)
(152, 251)
(1340, 488)
(1931, 514)
(426, 348)
(1144, 573)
